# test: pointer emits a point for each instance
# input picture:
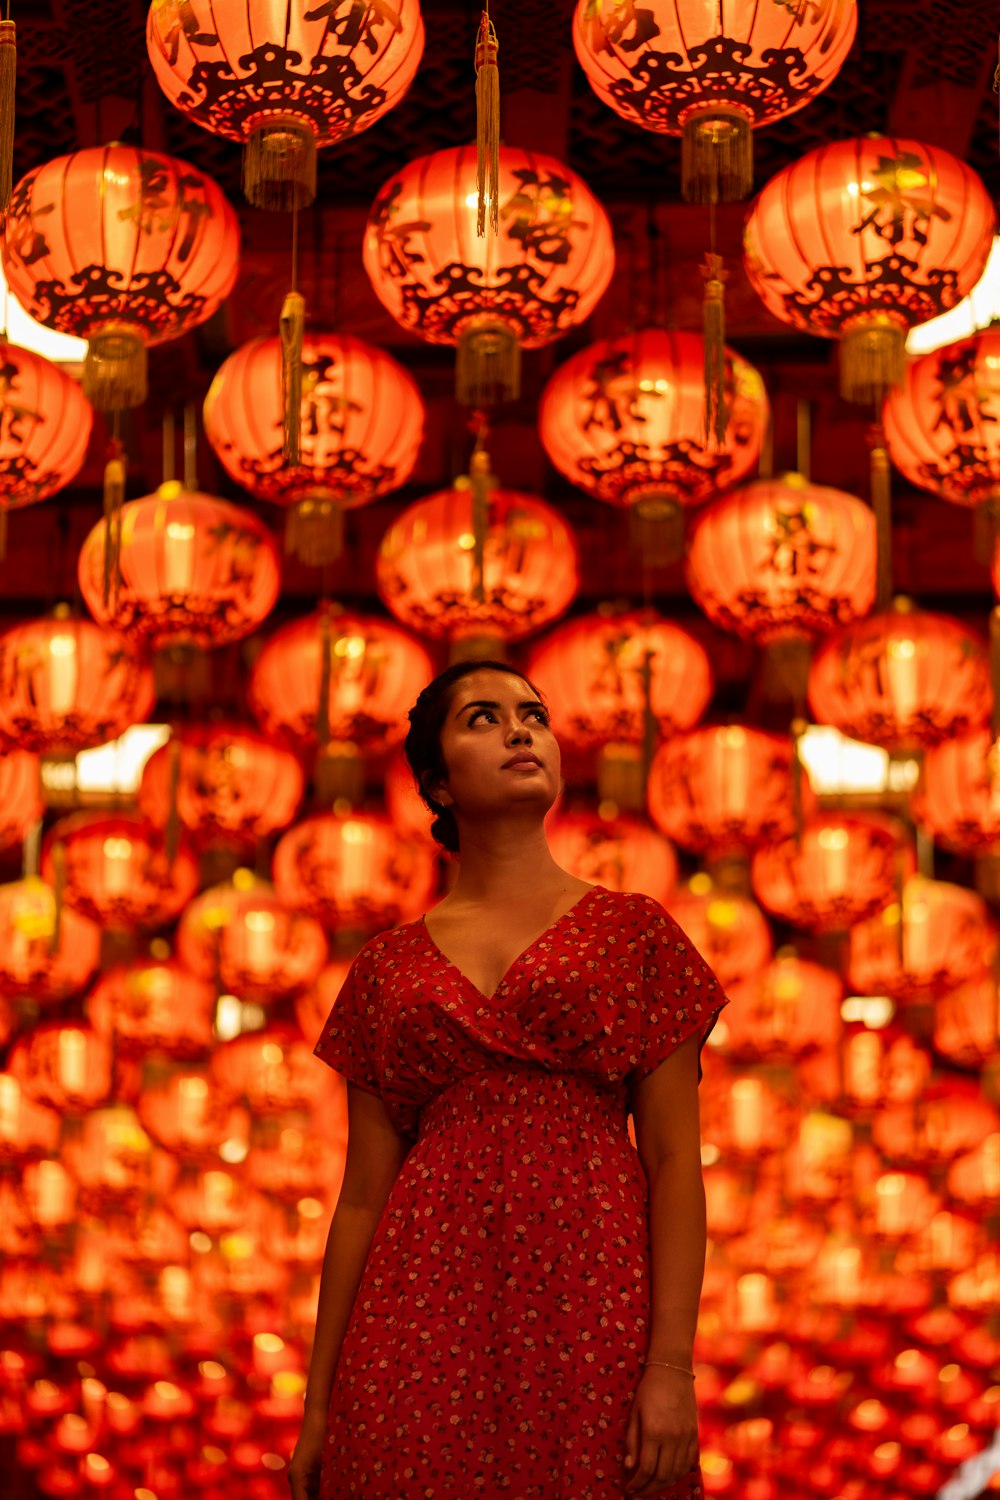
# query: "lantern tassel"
(8, 77)
(487, 126)
(798, 730)
(880, 491)
(58, 890)
(292, 326)
(716, 155)
(480, 484)
(714, 309)
(115, 471)
(325, 671)
(172, 830)
(314, 531)
(279, 164)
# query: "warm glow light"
(838, 766)
(873, 1011)
(974, 312)
(111, 770)
(22, 330)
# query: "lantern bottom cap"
(114, 372)
(716, 155)
(279, 164)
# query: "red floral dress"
(497, 1335)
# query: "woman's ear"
(437, 791)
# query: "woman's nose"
(518, 731)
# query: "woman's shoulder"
(628, 907)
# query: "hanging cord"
(292, 330)
(716, 414)
(487, 126)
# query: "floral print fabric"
(498, 1331)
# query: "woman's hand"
(303, 1470)
(662, 1438)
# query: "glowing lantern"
(272, 1070)
(283, 79)
(967, 1022)
(974, 1177)
(522, 286)
(338, 677)
(744, 1116)
(874, 1066)
(710, 76)
(949, 1118)
(624, 419)
(861, 240)
(20, 795)
(63, 1064)
(783, 558)
(312, 1009)
(958, 797)
(187, 1114)
(723, 788)
(154, 1005)
(947, 937)
(251, 941)
(902, 679)
(195, 571)
(45, 423)
(114, 1163)
(593, 673)
(407, 811)
(27, 1129)
(67, 685)
(114, 870)
(233, 786)
(727, 928)
(619, 852)
(841, 870)
(361, 425)
(353, 872)
(124, 247)
(35, 960)
(790, 1007)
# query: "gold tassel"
(656, 530)
(716, 411)
(480, 484)
(487, 126)
(325, 672)
(292, 328)
(172, 830)
(716, 155)
(314, 531)
(279, 165)
(487, 365)
(872, 359)
(880, 489)
(114, 498)
(58, 891)
(8, 79)
(115, 370)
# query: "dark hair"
(422, 746)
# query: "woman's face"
(498, 748)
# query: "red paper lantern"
(233, 786)
(710, 76)
(841, 870)
(67, 685)
(408, 812)
(283, 79)
(45, 431)
(273, 1071)
(186, 1114)
(782, 559)
(114, 870)
(27, 1129)
(967, 1022)
(625, 420)
(154, 1005)
(591, 672)
(941, 425)
(861, 240)
(902, 679)
(949, 1118)
(439, 578)
(123, 247)
(723, 789)
(371, 671)
(353, 872)
(195, 571)
(790, 1007)
(63, 1064)
(250, 941)
(619, 852)
(727, 928)
(312, 1009)
(539, 274)
(33, 961)
(974, 1178)
(21, 802)
(958, 797)
(947, 937)
(874, 1066)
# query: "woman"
(509, 1294)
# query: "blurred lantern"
(225, 783)
(861, 240)
(272, 1070)
(284, 80)
(195, 571)
(946, 938)
(873, 1067)
(902, 679)
(45, 423)
(726, 927)
(840, 870)
(215, 1200)
(790, 1007)
(941, 425)
(153, 1005)
(113, 1162)
(312, 1009)
(618, 852)
(338, 677)
(114, 870)
(744, 1116)
(710, 76)
(522, 286)
(20, 795)
(246, 938)
(66, 685)
(451, 568)
(974, 1177)
(360, 428)
(949, 1117)
(353, 872)
(407, 811)
(967, 1022)
(782, 559)
(124, 247)
(63, 1064)
(45, 956)
(186, 1114)
(723, 789)
(958, 797)
(903, 1205)
(27, 1128)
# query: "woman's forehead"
(488, 683)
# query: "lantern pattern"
(115, 871)
(788, 1008)
(782, 559)
(195, 571)
(154, 1005)
(250, 941)
(901, 679)
(233, 786)
(66, 685)
(946, 938)
(941, 424)
(123, 247)
(272, 1070)
(45, 423)
(723, 789)
(353, 872)
(958, 796)
(186, 1114)
(726, 927)
(440, 578)
(64, 1065)
(624, 419)
(967, 1022)
(41, 956)
(592, 672)
(861, 240)
(621, 853)
(950, 1117)
(341, 677)
(20, 795)
(841, 870)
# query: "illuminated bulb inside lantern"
(178, 556)
(873, 1011)
(53, 1198)
(916, 933)
(834, 842)
(658, 387)
(733, 771)
(753, 1293)
(234, 1151)
(72, 1064)
(890, 1191)
(846, 1269)
(466, 541)
(62, 673)
(192, 1105)
(863, 1067)
(117, 858)
(10, 1107)
(259, 928)
(747, 1113)
(901, 671)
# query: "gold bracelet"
(668, 1366)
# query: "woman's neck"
(506, 863)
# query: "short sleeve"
(347, 1041)
(681, 996)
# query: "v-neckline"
(584, 896)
